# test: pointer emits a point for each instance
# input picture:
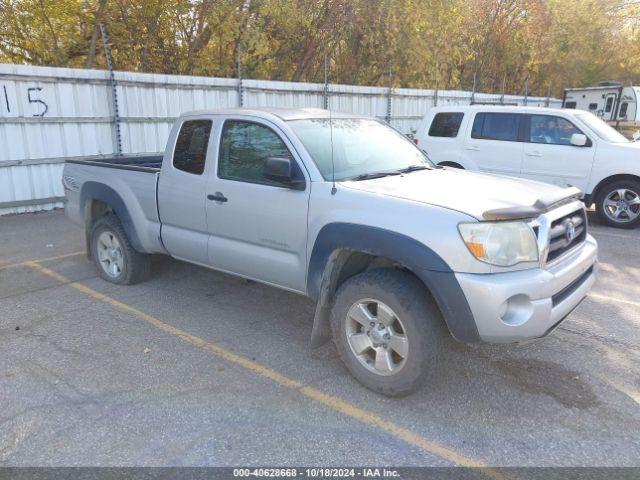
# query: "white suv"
(559, 146)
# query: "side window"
(191, 146)
(608, 105)
(623, 110)
(551, 130)
(570, 104)
(593, 106)
(496, 126)
(446, 124)
(244, 149)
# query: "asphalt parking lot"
(195, 367)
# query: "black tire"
(136, 265)
(611, 188)
(423, 326)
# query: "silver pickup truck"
(397, 253)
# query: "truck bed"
(141, 163)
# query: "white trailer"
(611, 101)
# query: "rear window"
(496, 126)
(191, 146)
(446, 124)
(570, 105)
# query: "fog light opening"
(516, 310)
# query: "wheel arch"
(593, 197)
(97, 200)
(342, 250)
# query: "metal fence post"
(435, 93)
(389, 94)
(473, 91)
(526, 92)
(239, 67)
(114, 92)
(504, 83)
(547, 102)
(325, 94)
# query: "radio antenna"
(333, 165)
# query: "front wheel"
(618, 204)
(116, 260)
(387, 330)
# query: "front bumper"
(527, 304)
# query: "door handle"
(217, 197)
(533, 154)
(474, 148)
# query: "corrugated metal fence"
(48, 115)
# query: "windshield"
(361, 147)
(604, 131)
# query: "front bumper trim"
(527, 304)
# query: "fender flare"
(336, 241)
(106, 194)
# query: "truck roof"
(498, 108)
(280, 112)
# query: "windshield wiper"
(413, 168)
(369, 176)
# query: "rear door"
(441, 138)
(493, 144)
(549, 156)
(182, 192)
(258, 228)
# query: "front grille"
(559, 239)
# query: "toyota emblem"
(569, 230)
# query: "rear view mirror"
(578, 140)
(280, 170)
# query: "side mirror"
(280, 170)
(578, 140)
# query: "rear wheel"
(387, 330)
(116, 260)
(618, 204)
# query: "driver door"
(549, 155)
(257, 227)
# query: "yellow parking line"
(40, 260)
(332, 402)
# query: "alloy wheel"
(377, 337)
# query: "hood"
(468, 192)
(627, 147)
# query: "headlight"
(500, 243)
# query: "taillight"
(415, 141)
